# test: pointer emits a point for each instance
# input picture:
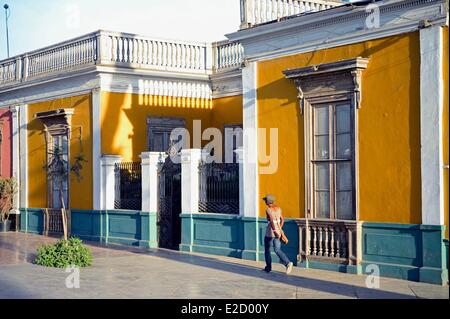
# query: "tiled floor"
(123, 272)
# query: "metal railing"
(128, 189)
(53, 222)
(254, 12)
(329, 240)
(105, 48)
(219, 188)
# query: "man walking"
(275, 224)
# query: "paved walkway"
(123, 272)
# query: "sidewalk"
(123, 272)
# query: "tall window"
(332, 161)
(59, 147)
(57, 124)
(330, 96)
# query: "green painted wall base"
(131, 228)
(404, 251)
(410, 252)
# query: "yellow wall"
(226, 111)
(389, 131)
(124, 118)
(445, 126)
(80, 192)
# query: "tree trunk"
(63, 209)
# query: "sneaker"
(289, 268)
(267, 270)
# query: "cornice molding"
(337, 26)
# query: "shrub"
(64, 253)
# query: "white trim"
(96, 149)
(15, 139)
(226, 84)
(23, 133)
(250, 127)
(431, 113)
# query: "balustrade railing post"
(247, 14)
(26, 64)
(209, 57)
(18, 74)
(101, 48)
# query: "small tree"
(8, 188)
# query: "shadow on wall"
(124, 118)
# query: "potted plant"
(8, 188)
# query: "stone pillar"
(150, 163)
(96, 149)
(108, 180)
(23, 151)
(190, 181)
(15, 156)
(250, 150)
(431, 114)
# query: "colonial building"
(344, 111)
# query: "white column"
(23, 151)
(108, 180)
(150, 163)
(15, 155)
(240, 156)
(96, 149)
(431, 110)
(250, 154)
(190, 181)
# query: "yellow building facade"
(379, 81)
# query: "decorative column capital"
(110, 160)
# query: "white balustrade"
(331, 240)
(8, 71)
(142, 52)
(227, 54)
(61, 58)
(104, 48)
(254, 12)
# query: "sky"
(34, 24)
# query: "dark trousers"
(276, 243)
